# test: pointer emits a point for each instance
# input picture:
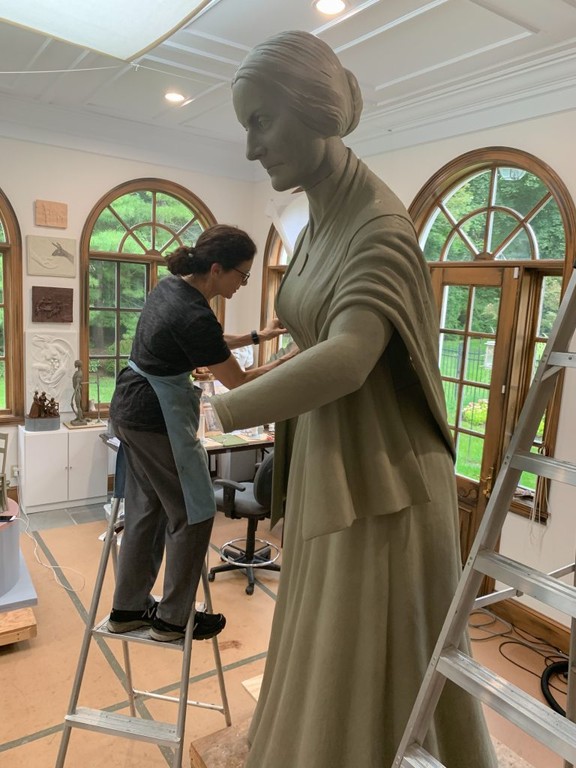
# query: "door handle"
(487, 490)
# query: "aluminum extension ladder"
(130, 726)
(556, 732)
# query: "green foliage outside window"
(521, 207)
(141, 221)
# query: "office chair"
(251, 501)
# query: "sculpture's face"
(292, 154)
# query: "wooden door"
(477, 307)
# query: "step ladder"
(556, 732)
(131, 726)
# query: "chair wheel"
(250, 589)
(211, 576)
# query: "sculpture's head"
(294, 97)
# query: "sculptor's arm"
(270, 331)
(326, 372)
(230, 372)
(232, 375)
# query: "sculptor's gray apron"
(180, 403)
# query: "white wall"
(31, 172)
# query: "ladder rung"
(551, 729)
(123, 725)
(416, 757)
(529, 581)
(545, 466)
(140, 635)
(564, 359)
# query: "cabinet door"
(45, 468)
(88, 465)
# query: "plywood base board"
(227, 748)
(16, 626)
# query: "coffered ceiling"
(428, 69)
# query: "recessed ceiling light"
(174, 98)
(330, 7)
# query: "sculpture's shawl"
(386, 272)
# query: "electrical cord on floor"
(25, 520)
(556, 662)
(556, 668)
(492, 620)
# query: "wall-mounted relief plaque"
(51, 256)
(51, 305)
(50, 214)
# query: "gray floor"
(58, 518)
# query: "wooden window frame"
(272, 275)
(12, 261)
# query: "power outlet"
(14, 470)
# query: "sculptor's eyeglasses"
(245, 275)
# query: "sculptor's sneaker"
(124, 621)
(206, 626)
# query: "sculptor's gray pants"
(155, 518)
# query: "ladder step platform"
(551, 729)
(124, 725)
(545, 466)
(140, 635)
(562, 359)
(416, 757)
(524, 579)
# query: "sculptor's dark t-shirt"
(177, 332)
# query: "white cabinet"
(62, 468)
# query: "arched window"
(288, 221)
(123, 245)
(496, 226)
(11, 334)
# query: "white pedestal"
(16, 588)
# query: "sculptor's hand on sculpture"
(273, 329)
(202, 374)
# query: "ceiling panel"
(251, 21)
(427, 69)
(209, 45)
(185, 61)
(372, 18)
(479, 30)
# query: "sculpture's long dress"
(371, 553)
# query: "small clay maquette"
(42, 407)
(76, 401)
